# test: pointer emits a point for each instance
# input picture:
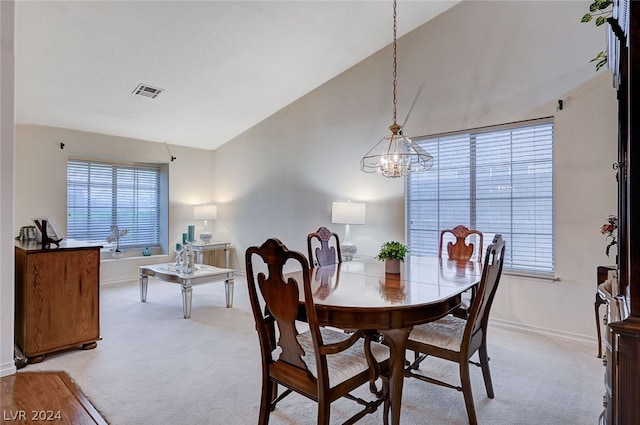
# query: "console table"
(201, 247)
(57, 303)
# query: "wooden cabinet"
(625, 372)
(57, 298)
(622, 339)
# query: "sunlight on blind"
(496, 180)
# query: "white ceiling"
(224, 65)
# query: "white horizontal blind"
(101, 194)
(495, 180)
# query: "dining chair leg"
(486, 372)
(265, 401)
(323, 412)
(274, 395)
(465, 380)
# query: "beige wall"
(7, 146)
(41, 182)
(480, 63)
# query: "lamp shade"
(205, 212)
(348, 212)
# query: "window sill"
(531, 276)
(108, 258)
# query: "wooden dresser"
(57, 298)
(622, 335)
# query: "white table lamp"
(205, 212)
(348, 213)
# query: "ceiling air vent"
(147, 91)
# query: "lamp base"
(206, 237)
(348, 251)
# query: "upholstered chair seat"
(345, 364)
(445, 333)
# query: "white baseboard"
(7, 369)
(120, 280)
(505, 324)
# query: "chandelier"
(395, 155)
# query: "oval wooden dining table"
(359, 295)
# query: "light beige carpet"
(154, 367)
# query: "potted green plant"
(392, 253)
(601, 10)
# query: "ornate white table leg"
(144, 280)
(228, 291)
(187, 291)
(200, 257)
(226, 257)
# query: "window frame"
(158, 244)
(548, 248)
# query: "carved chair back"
(460, 250)
(327, 252)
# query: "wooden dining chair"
(460, 250)
(327, 253)
(320, 363)
(456, 339)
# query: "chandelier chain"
(395, 66)
(395, 155)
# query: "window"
(101, 194)
(496, 180)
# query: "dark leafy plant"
(601, 10)
(392, 250)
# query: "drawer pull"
(604, 360)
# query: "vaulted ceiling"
(223, 66)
